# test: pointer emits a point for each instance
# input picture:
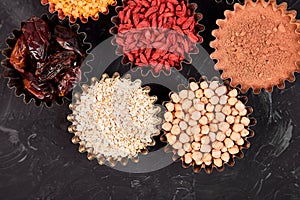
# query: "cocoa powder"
(257, 47)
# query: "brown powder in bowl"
(257, 45)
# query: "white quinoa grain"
(226, 110)
(224, 149)
(220, 136)
(188, 130)
(204, 100)
(240, 141)
(225, 156)
(223, 126)
(176, 121)
(192, 122)
(170, 106)
(187, 147)
(245, 121)
(183, 94)
(179, 114)
(217, 145)
(194, 86)
(208, 93)
(221, 90)
(197, 155)
(210, 107)
(198, 162)
(233, 150)
(188, 158)
(228, 143)
(186, 104)
(230, 119)
(237, 119)
(183, 125)
(203, 120)
(216, 153)
(214, 85)
(233, 93)
(220, 117)
(228, 132)
(197, 137)
(239, 106)
(234, 112)
(196, 146)
(205, 148)
(205, 139)
(238, 127)
(210, 116)
(175, 98)
(243, 112)
(206, 157)
(177, 107)
(212, 136)
(195, 129)
(218, 108)
(218, 162)
(223, 100)
(167, 126)
(244, 133)
(205, 129)
(214, 100)
(199, 93)
(177, 145)
(184, 138)
(175, 129)
(171, 139)
(213, 127)
(204, 85)
(199, 105)
(235, 136)
(191, 95)
(232, 101)
(168, 116)
(116, 117)
(196, 115)
(180, 152)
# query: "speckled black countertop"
(38, 160)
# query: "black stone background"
(38, 160)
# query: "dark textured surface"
(38, 160)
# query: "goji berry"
(163, 32)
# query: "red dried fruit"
(150, 26)
(67, 82)
(188, 23)
(18, 55)
(48, 63)
(162, 8)
(56, 64)
(37, 36)
(67, 39)
(41, 90)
